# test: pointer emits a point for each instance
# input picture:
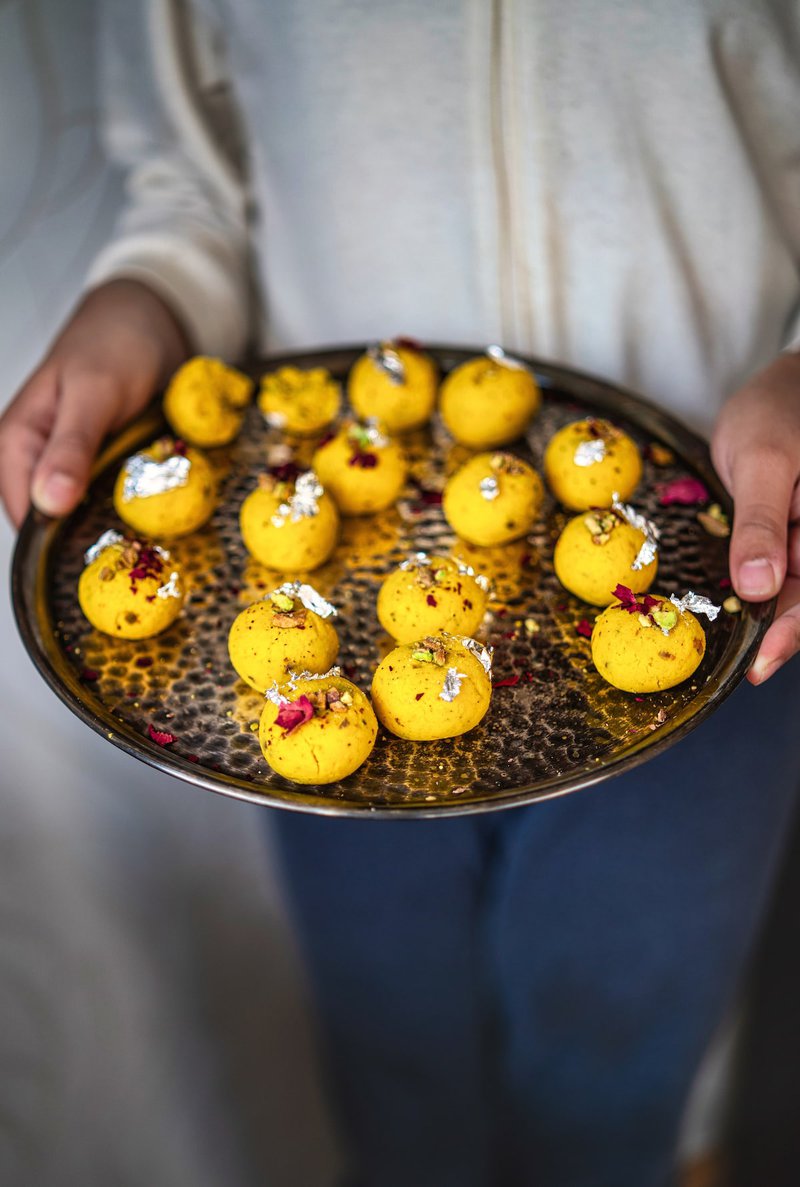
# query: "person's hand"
(121, 343)
(756, 450)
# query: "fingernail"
(762, 669)
(55, 494)
(757, 579)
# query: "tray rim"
(38, 538)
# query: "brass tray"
(554, 726)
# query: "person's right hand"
(118, 347)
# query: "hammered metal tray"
(553, 727)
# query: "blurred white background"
(153, 1025)
(152, 1022)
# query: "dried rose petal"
(431, 600)
(507, 681)
(409, 344)
(292, 714)
(627, 597)
(160, 737)
(685, 491)
(88, 675)
(363, 459)
(584, 628)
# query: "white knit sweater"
(614, 184)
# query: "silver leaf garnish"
(273, 694)
(696, 603)
(386, 359)
(275, 420)
(479, 578)
(489, 488)
(483, 653)
(295, 676)
(587, 453)
(498, 355)
(303, 504)
(367, 434)
(649, 549)
(144, 476)
(417, 560)
(452, 684)
(105, 541)
(310, 598)
(171, 589)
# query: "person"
(524, 996)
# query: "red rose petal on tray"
(88, 675)
(686, 491)
(507, 681)
(292, 714)
(584, 628)
(160, 737)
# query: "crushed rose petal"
(160, 737)
(629, 602)
(685, 491)
(584, 628)
(431, 600)
(507, 681)
(88, 675)
(292, 714)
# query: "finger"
(85, 410)
(782, 640)
(762, 482)
(24, 430)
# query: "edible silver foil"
(105, 541)
(498, 355)
(171, 589)
(275, 420)
(649, 548)
(589, 452)
(697, 604)
(452, 685)
(144, 476)
(310, 598)
(386, 358)
(303, 503)
(483, 653)
(479, 578)
(489, 488)
(295, 676)
(417, 560)
(273, 694)
(368, 431)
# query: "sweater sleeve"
(170, 123)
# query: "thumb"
(761, 483)
(86, 409)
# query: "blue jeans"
(523, 998)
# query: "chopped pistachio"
(732, 605)
(666, 618)
(282, 601)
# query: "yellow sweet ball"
(590, 463)
(437, 687)
(299, 402)
(165, 490)
(287, 631)
(130, 589)
(317, 731)
(489, 401)
(206, 400)
(646, 645)
(362, 468)
(430, 594)
(493, 498)
(395, 382)
(289, 522)
(599, 550)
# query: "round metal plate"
(554, 728)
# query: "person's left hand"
(756, 450)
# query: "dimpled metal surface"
(556, 727)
